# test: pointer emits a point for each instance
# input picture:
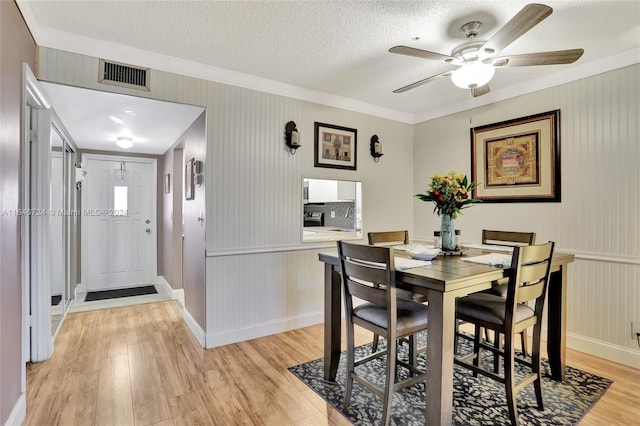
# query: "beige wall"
(598, 218)
(16, 46)
(193, 273)
(260, 278)
(191, 144)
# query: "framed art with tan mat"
(517, 160)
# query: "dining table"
(447, 277)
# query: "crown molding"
(121, 53)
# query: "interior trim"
(100, 49)
(272, 249)
(193, 325)
(227, 337)
(19, 411)
(608, 351)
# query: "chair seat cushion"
(411, 315)
(409, 295)
(489, 308)
(497, 290)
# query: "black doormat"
(121, 292)
(56, 299)
(476, 401)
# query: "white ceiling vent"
(123, 75)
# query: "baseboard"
(176, 294)
(19, 412)
(193, 325)
(80, 289)
(260, 330)
(605, 350)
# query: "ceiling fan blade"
(530, 16)
(421, 82)
(419, 53)
(541, 58)
(479, 91)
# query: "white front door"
(118, 222)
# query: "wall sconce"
(292, 137)
(376, 148)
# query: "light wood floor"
(140, 365)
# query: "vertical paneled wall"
(260, 277)
(599, 216)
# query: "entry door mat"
(476, 401)
(121, 292)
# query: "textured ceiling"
(340, 48)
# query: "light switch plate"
(333, 214)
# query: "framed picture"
(517, 160)
(167, 183)
(335, 146)
(189, 183)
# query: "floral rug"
(476, 401)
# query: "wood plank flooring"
(140, 365)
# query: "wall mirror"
(332, 210)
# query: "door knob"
(148, 230)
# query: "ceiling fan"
(476, 59)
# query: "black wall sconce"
(292, 137)
(376, 148)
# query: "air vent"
(123, 75)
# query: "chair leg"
(350, 364)
(390, 373)
(497, 342)
(413, 352)
(510, 380)
(374, 346)
(477, 349)
(535, 363)
(525, 346)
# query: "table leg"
(332, 321)
(557, 323)
(440, 358)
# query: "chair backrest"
(508, 238)
(368, 273)
(529, 277)
(400, 237)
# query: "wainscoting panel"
(254, 192)
(264, 293)
(598, 218)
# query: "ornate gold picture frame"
(517, 160)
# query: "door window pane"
(120, 200)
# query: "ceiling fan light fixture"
(472, 74)
(124, 142)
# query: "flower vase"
(447, 233)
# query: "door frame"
(37, 341)
(154, 200)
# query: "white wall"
(599, 216)
(260, 278)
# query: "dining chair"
(368, 273)
(528, 281)
(387, 238)
(508, 239)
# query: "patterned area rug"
(476, 401)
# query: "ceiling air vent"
(123, 75)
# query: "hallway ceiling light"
(124, 142)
